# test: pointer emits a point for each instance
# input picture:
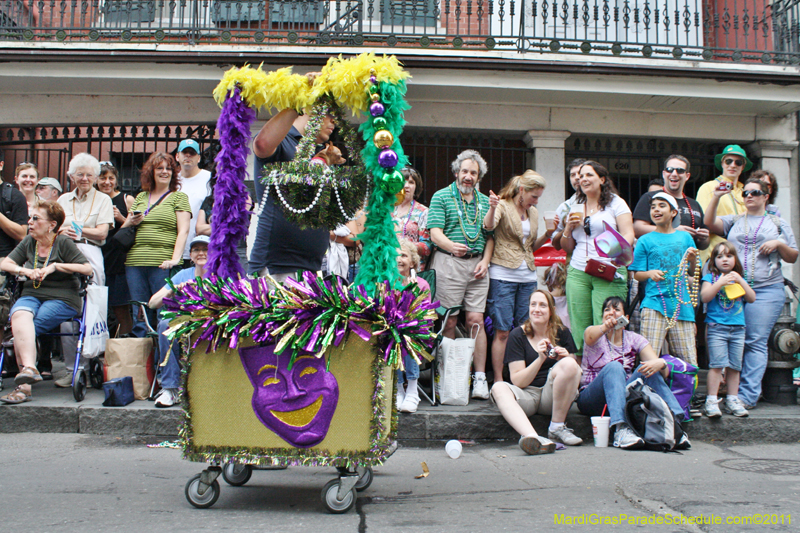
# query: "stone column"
(548, 160)
(775, 157)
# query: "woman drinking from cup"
(592, 278)
(514, 219)
(756, 235)
(544, 377)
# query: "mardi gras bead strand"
(683, 268)
(724, 302)
(747, 245)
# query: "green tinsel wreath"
(337, 192)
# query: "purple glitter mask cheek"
(297, 404)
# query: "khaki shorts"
(456, 283)
(535, 400)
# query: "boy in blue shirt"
(667, 309)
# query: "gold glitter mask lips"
(300, 417)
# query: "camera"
(621, 323)
(551, 351)
(725, 186)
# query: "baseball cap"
(198, 239)
(189, 143)
(667, 198)
(51, 182)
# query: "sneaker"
(711, 408)
(536, 445)
(64, 382)
(684, 443)
(409, 405)
(480, 389)
(625, 438)
(565, 435)
(167, 397)
(401, 395)
(735, 407)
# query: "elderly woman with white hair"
(89, 213)
(407, 263)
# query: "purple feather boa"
(229, 216)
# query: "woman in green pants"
(597, 203)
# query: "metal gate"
(633, 162)
(431, 152)
(127, 147)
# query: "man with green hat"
(732, 162)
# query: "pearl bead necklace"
(341, 207)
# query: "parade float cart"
(301, 373)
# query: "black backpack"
(651, 418)
(5, 199)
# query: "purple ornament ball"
(373, 79)
(388, 158)
(376, 109)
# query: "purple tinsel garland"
(229, 216)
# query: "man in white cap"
(48, 189)
(667, 312)
(171, 371)
(194, 182)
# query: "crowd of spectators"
(550, 348)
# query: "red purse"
(600, 270)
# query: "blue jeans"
(171, 372)
(508, 303)
(412, 369)
(46, 315)
(725, 346)
(144, 282)
(760, 317)
(609, 388)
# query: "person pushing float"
(301, 373)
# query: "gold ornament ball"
(400, 196)
(383, 139)
(375, 97)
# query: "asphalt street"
(73, 482)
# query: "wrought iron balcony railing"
(766, 31)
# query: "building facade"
(529, 83)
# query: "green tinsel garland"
(379, 260)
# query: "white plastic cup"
(453, 449)
(550, 220)
(600, 430)
(78, 227)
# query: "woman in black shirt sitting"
(544, 377)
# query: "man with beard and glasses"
(690, 214)
(464, 250)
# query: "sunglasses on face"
(678, 170)
(737, 162)
(587, 226)
(37, 218)
(754, 192)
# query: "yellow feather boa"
(345, 80)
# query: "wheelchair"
(81, 377)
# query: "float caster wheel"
(364, 478)
(79, 386)
(236, 475)
(332, 501)
(96, 373)
(207, 498)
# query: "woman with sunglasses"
(26, 176)
(49, 296)
(732, 162)
(755, 235)
(597, 204)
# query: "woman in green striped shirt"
(162, 216)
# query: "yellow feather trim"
(345, 80)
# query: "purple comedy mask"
(296, 404)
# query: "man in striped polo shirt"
(463, 252)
